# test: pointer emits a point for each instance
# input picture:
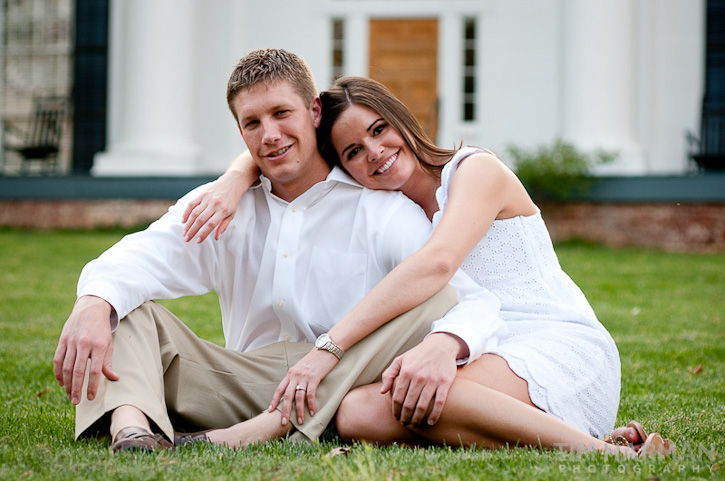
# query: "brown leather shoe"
(184, 439)
(134, 439)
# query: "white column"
(357, 44)
(2, 96)
(450, 68)
(600, 80)
(151, 116)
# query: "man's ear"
(316, 111)
(240, 130)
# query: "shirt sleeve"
(403, 229)
(152, 264)
(475, 319)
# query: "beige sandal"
(656, 445)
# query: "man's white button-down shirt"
(285, 271)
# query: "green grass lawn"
(664, 310)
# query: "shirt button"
(285, 254)
(286, 337)
(280, 303)
(294, 208)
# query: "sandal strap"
(617, 440)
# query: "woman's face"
(371, 150)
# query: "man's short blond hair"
(268, 66)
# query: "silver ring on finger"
(300, 388)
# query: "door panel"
(404, 57)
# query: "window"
(37, 54)
(338, 48)
(469, 70)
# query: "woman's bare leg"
(492, 371)
(488, 406)
(476, 415)
(366, 415)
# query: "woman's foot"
(632, 434)
(634, 437)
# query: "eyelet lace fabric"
(554, 340)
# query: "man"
(305, 246)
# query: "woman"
(556, 358)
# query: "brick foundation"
(670, 227)
(80, 214)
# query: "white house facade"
(623, 75)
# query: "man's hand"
(307, 373)
(86, 335)
(420, 379)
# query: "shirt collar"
(339, 175)
(314, 193)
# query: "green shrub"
(557, 172)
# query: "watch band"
(326, 344)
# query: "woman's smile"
(387, 165)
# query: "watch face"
(321, 341)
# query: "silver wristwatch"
(325, 343)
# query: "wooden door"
(404, 57)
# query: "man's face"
(280, 134)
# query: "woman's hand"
(214, 208)
(307, 373)
(419, 380)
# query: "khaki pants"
(184, 383)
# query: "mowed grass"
(664, 310)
